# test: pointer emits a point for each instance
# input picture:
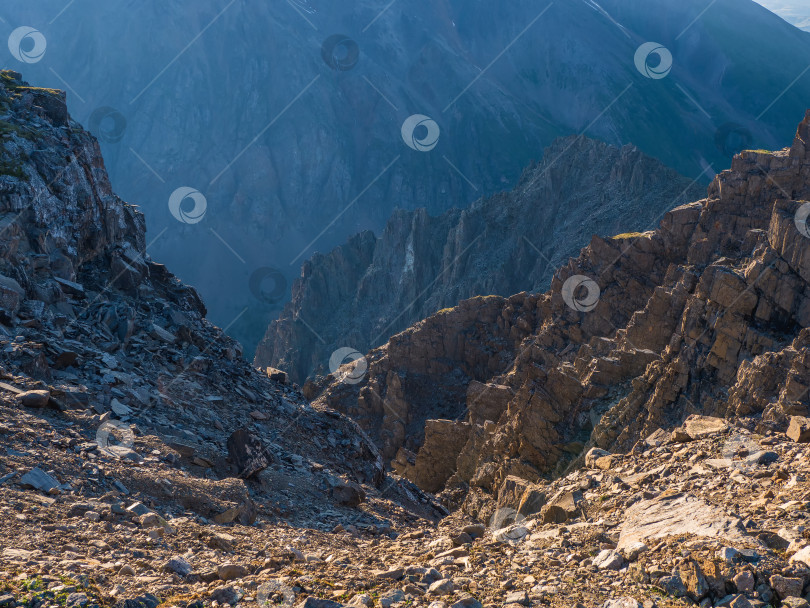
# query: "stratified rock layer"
(708, 314)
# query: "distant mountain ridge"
(234, 99)
(365, 291)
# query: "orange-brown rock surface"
(707, 314)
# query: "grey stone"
(518, 597)
(761, 457)
(11, 295)
(786, 586)
(225, 595)
(40, 480)
(247, 453)
(673, 585)
(229, 572)
(608, 560)
(178, 565)
(348, 493)
(622, 602)
(314, 602)
(76, 600)
(35, 399)
(475, 530)
(466, 602)
(744, 581)
(391, 597)
(671, 515)
(442, 587)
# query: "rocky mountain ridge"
(707, 314)
(793, 12)
(363, 292)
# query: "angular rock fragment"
(799, 429)
(245, 513)
(623, 602)
(786, 586)
(40, 480)
(178, 565)
(694, 580)
(11, 295)
(518, 597)
(553, 514)
(229, 572)
(247, 453)
(225, 595)
(608, 560)
(313, 602)
(348, 493)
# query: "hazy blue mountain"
(234, 99)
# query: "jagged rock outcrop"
(365, 291)
(103, 348)
(708, 314)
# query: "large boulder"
(799, 429)
(11, 295)
(247, 453)
(673, 514)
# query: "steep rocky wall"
(707, 314)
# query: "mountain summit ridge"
(708, 314)
(369, 289)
